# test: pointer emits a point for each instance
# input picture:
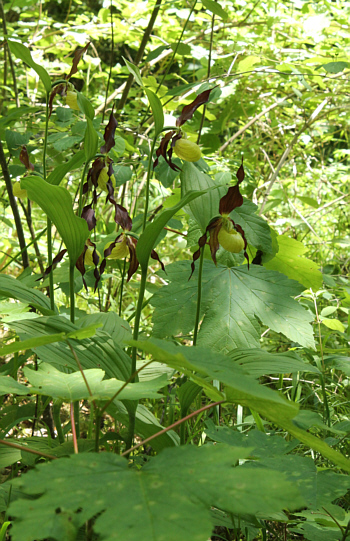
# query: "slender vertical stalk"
(80, 207)
(57, 420)
(71, 292)
(75, 442)
(199, 296)
(14, 207)
(148, 180)
(49, 224)
(121, 289)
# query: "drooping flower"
(124, 245)
(222, 229)
(187, 150)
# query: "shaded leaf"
(15, 289)
(181, 513)
(22, 52)
(56, 202)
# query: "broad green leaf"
(85, 106)
(139, 504)
(157, 110)
(100, 351)
(317, 444)
(60, 171)
(31, 343)
(241, 389)
(335, 67)
(13, 288)
(49, 381)
(149, 237)
(205, 207)
(181, 48)
(14, 114)
(117, 328)
(49, 339)
(90, 140)
(232, 300)
(290, 262)
(333, 324)
(134, 70)
(256, 230)
(248, 63)
(309, 201)
(257, 362)
(9, 385)
(215, 8)
(8, 456)
(22, 52)
(56, 202)
(186, 394)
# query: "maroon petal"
(201, 243)
(81, 266)
(76, 59)
(213, 241)
(89, 216)
(155, 256)
(55, 262)
(58, 89)
(233, 198)
(188, 111)
(109, 134)
(24, 158)
(133, 264)
(162, 149)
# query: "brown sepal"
(81, 266)
(95, 171)
(213, 239)
(188, 111)
(76, 59)
(162, 151)
(133, 263)
(240, 173)
(58, 89)
(201, 243)
(24, 158)
(231, 200)
(55, 261)
(88, 214)
(109, 134)
(155, 256)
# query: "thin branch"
(140, 53)
(183, 420)
(27, 449)
(14, 207)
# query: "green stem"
(199, 296)
(97, 433)
(149, 170)
(48, 232)
(57, 420)
(71, 292)
(121, 289)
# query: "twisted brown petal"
(58, 89)
(88, 214)
(55, 261)
(76, 59)
(188, 111)
(24, 158)
(133, 264)
(109, 134)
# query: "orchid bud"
(71, 100)
(230, 239)
(186, 150)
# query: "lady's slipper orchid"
(187, 150)
(223, 230)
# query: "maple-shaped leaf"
(131, 504)
(233, 300)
